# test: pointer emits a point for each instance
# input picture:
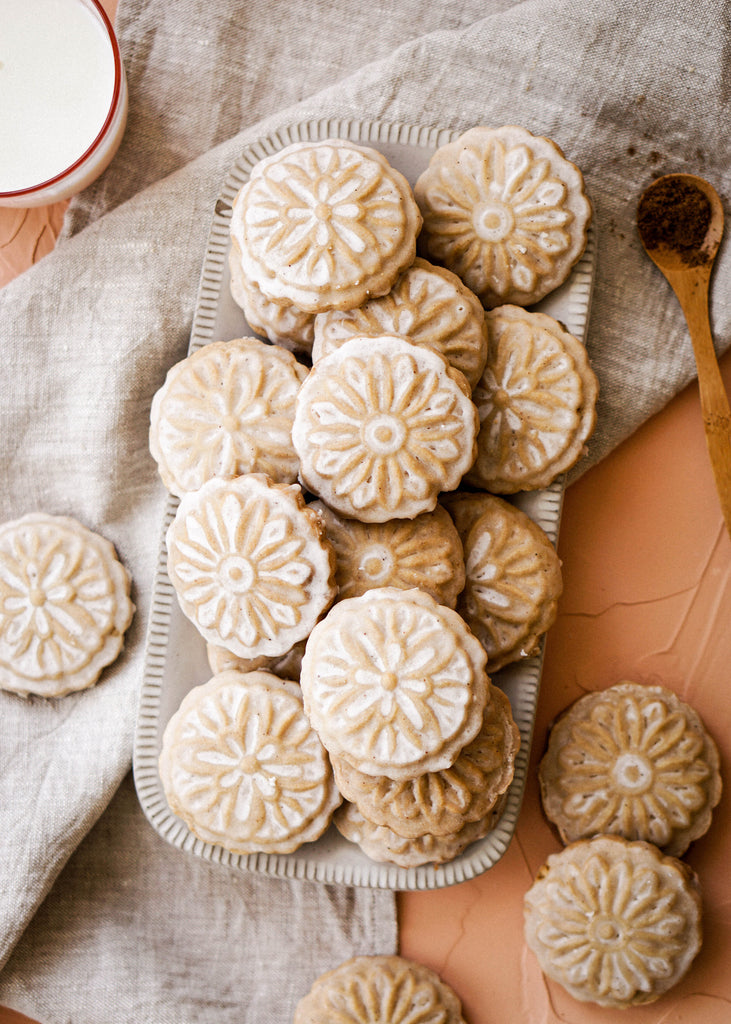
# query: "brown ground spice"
(675, 214)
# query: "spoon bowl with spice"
(680, 224)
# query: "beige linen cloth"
(100, 919)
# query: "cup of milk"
(63, 98)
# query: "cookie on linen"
(423, 553)
(249, 565)
(428, 305)
(287, 666)
(441, 803)
(324, 225)
(614, 922)
(394, 683)
(632, 760)
(64, 605)
(513, 576)
(394, 991)
(536, 400)
(506, 211)
(241, 766)
(225, 410)
(383, 426)
(282, 324)
(383, 845)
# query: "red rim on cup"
(87, 168)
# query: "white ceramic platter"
(175, 656)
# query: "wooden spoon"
(680, 223)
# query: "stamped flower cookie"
(379, 990)
(287, 666)
(241, 766)
(513, 576)
(324, 225)
(441, 803)
(394, 683)
(383, 845)
(425, 553)
(631, 760)
(382, 427)
(536, 400)
(225, 410)
(428, 305)
(249, 564)
(283, 324)
(614, 922)
(506, 211)
(64, 605)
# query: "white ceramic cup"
(64, 98)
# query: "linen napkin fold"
(630, 90)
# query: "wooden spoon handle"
(692, 294)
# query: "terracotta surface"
(647, 567)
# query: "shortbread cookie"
(631, 760)
(241, 766)
(394, 683)
(287, 666)
(536, 400)
(384, 845)
(513, 577)
(381, 427)
(506, 211)
(64, 605)
(441, 803)
(324, 225)
(249, 564)
(225, 410)
(428, 305)
(614, 922)
(423, 553)
(284, 325)
(379, 990)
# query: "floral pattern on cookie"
(428, 305)
(242, 767)
(536, 401)
(64, 605)
(615, 922)
(394, 683)
(506, 212)
(632, 760)
(281, 323)
(225, 410)
(249, 565)
(325, 225)
(382, 427)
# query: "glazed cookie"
(324, 225)
(381, 427)
(536, 401)
(631, 760)
(384, 845)
(241, 766)
(614, 922)
(225, 410)
(441, 803)
(379, 990)
(64, 605)
(394, 683)
(249, 565)
(283, 325)
(513, 576)
(506, 211)
(286, 667)
(428, 305)
(423, 553)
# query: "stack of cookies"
(341, 524)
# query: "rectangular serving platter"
(175, 658)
